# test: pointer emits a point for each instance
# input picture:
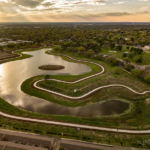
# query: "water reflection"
(12, 75)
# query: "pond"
(13, 74)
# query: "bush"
(130, 55)
(109, 60)
(117, 70)
(116, 62)
(139, 73)
(124, 55)
(147, 79)
(57, 49)
(90, 53)
(100, 57)
(129, 67)
(119, 47)
(138, 59)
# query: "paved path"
(79, 125)
(89, 93)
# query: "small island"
(51, 67)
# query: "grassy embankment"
(91, 136)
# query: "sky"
(74, 10)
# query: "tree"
(126, 60)
(117, 70)
(130, 55)
(100, 56)
(116, 62)
(129, 67)
(112, 45)
(57, 48)
(81, 49)
(90, 53)
(147, 79)
(139, 73)
(138, 59)
(47, 77)
(119, 47)
(70, 49)
(109, 60)
(124, 55)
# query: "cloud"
(119, 3)
(145, 8)
(28, 3)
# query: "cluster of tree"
(143, 75)
(94, 36)
(135, 54)
(22, 45)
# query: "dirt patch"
(6, 55)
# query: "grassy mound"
(51, 67)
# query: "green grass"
(24, 56)
(139, 141)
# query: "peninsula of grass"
(107, 78)
(24, 56)
(51, 67)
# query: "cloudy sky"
(74, 10)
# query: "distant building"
(126, 52)
(138, 46)
(147, 47)
(126, 38)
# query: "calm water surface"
(12, 75)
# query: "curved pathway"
(78, 126)
(89, 93)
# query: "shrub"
(129, 67)
(124, 55)
(57, 49)
(139, 73)
(90, 53)
(130, 55)
(117, 70)
(109, 60)
(147, 79)
(100, 57)
(119, 47)
(138, 59)
(116, 62)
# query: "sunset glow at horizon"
(74, 10)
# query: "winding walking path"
(79, 126)
(89, 93)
